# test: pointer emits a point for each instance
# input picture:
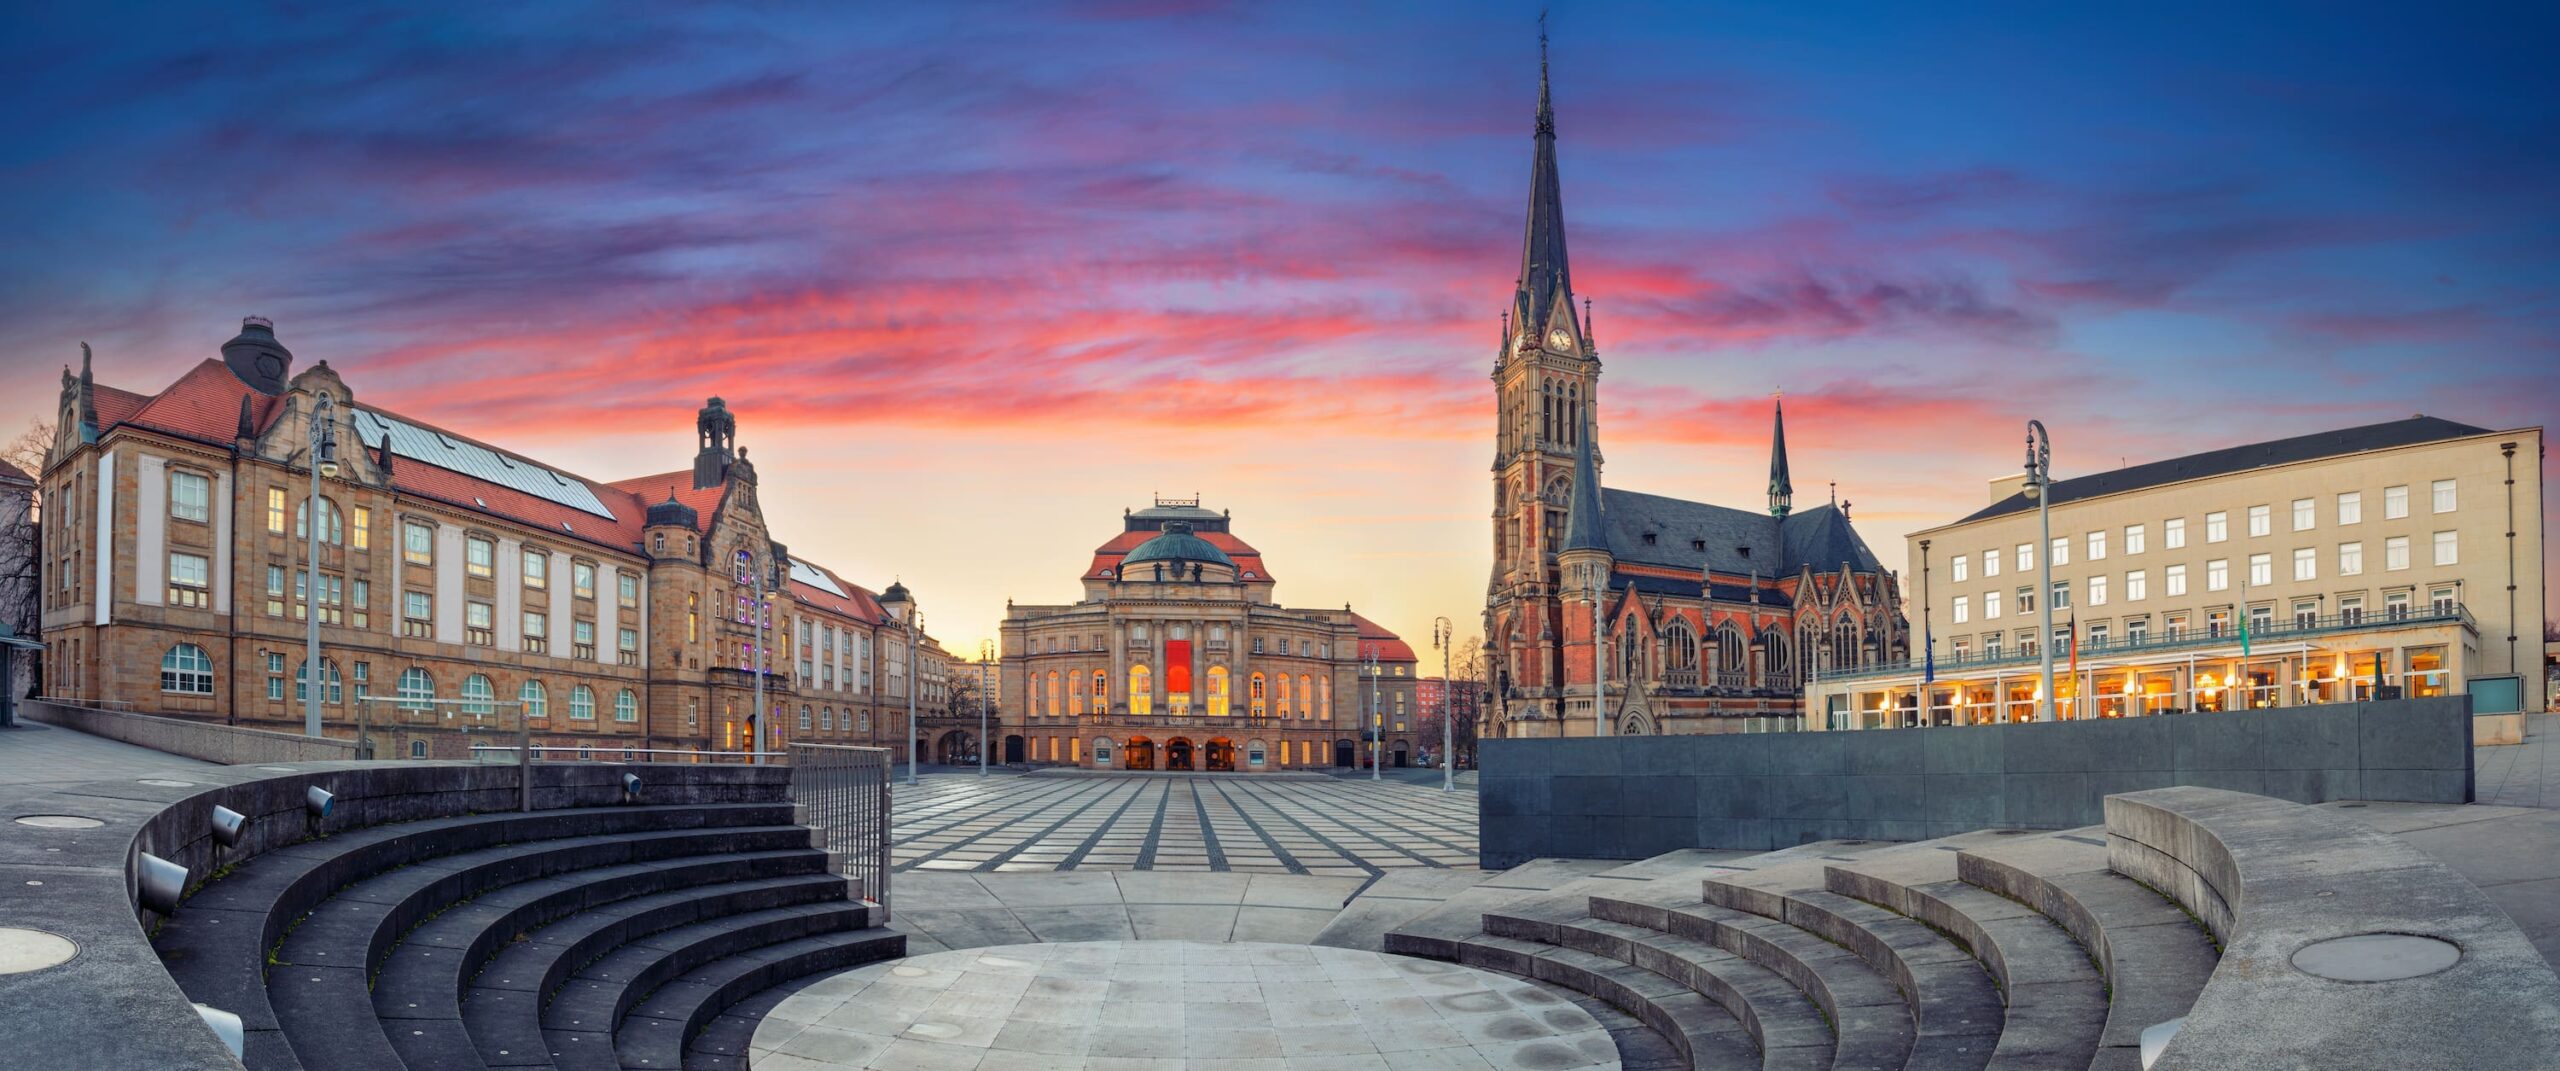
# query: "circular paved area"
(1175, 1004)
(1339, 827)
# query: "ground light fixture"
(228, 826)
(317, 801)
(630, 787)
(161, 883)
(225, 1026)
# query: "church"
(1615, 612)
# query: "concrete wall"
(227, 744)
(1632, 797)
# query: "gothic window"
(1679, 647)
(1573, 415)
(1845, 643)
(1730, 652)
(1775, 665)
(1630, 655)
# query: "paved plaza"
(1265, 824)
(38, 758)
(1112, 1004)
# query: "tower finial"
(1782, 490)
(1546, 106)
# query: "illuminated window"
(1306, 696)
(480, 556)
(1142, 693)
(1217, 691)
(190, 580)
(275, 510)
(1253, 696)
(360, 530)
(417, 544)
(1056, 686)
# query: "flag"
(2074, 640)
(2244, 632)
(1929, 661)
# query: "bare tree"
(21, 543)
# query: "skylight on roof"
(479, 462)
(816, 578)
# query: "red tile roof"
(1389, 647)
(651, 490)
(203, 404)
(1248, 560)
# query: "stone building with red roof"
(1176, 658)
(457, 581)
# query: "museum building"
(456, 582)
(1176, 658)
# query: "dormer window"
(1698, 545)
(1649, 539)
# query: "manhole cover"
(22, 950)
(163, 783)
(59, 821)
(2377, 957)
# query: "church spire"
(1782, 491)
(1585, 527)
(1546, 284)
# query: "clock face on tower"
(1559, 339)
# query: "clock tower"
(1546, 377)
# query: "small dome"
(1177, 544)
(672, 512)
(897, 592)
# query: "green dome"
(1177, 544)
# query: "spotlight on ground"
(316, 801)
(228, 826)
(163, 883)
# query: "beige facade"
(1176, 658)
(2407, 554)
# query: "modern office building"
(2406, 555)
(1176, 658)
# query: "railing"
(2206, 634)
(847, 792)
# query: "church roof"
(1696, 535)
(2411, 432)
(1546, 279)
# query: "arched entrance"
(1220, 754)
(1013, 749)
(1345, 753)
(1177, 753)
(1400, 757)
(1139, 753)
(957, 748)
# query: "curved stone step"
(216, 946)
(580, 1018)
(653, 1036)
(1871, 1023)
(1701, 1030)
(1954, 1005)
(1783, 1022)
(2154, 956)
(2056, 999)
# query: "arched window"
(1845, 639)
(333, 529)
(333, 688)
(186, 670)
(582, 703)
(1075, 694)
(1776, 667)
(477, 696)
(1679, 646)
(1254, 696)
(537, 703)
(1630, 654)
(1217, 691)
(1056, 685)
(626, 707)
(1306, 695)
(1142, 691)
(1101, 692)
(1324, 698)
(417, 749)
(415, 687)
(1730, 652)
(1282, 707)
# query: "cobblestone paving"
(1272, 825)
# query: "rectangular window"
(275, 591)
(361, 608)
(1964, 608)
(2173, 533)
(361, 535)
(2061, 550)
(2395, 553)
(2097, 591)
(1991, 645)
(2133, 534)
(582, 579)
(275, 676)
(2395, 605)
(2098, 545)
(2026, 600)
(1991, 606)
(2061, 594)
(2137, 631)
(2262, 570)
(627, 594)
(417, 543)
(2302, 511)
(2306, 563)
(190, 496)
(2217, 527)
(2217, 575)
(417, 613)
(2262, 618)
(1962, 563)
(2306, 613)
(2175, 627)
(2098, 634)
(479, 623)
(2026, 557)
(2447, 551)
(628, 650)
(332, 597)
(2350, 507)
(2351, 610)
(479, 556)
(2137, 585)
(2261, 521)
(2350, 559)
(582, 639)
(2442, 491)
(1990, 564)
(275, 510)
(2395, 502)
(190, 580)
(2440, 600)
(537, 632)
(537, 569)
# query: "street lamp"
(1377, 720)
(2040, 488)
(915, 621)
(758, 725)
(986, 697)
(1441, 634)
(324, 462)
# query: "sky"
(977, 277)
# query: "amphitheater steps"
(2154, 956)
(1870, 1023)
(1702, 1032)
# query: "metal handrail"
(846, 791)
(2195, 635)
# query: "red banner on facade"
(1177, 667)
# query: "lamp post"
(2039, 487)
(915, 620)
(1928, 642)
(1441, 633)
(324, 462)
(986, 697)
(758, 724)
(1377, 726)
